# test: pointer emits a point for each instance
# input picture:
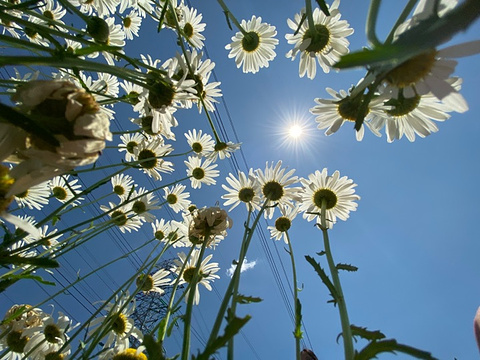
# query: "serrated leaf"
(366, 334)
(377, 347)
(242, 299)
(323, 6)
(227, 18)
(154, 349)
(172, 324)
(325, 279)
(232, 328)
(346, 267)
(298, 334)
(42, 262)
(321, 253)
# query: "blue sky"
(414, 236)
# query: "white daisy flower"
(118, 322)
(122, 351)
(131, 24)
(154, 282)
(192, 27)
(253, 47)
(177, 198)
(202, 144)
(63, 189)
(283, 223)
(245, 189)
(201, 172)
(333, 113)
(326, 44)
(101, 7)
(206, 272)
(132, 91)
(32, 35)
(129, 143)
(338, 193)
(274, 183)
(105, 87)
(149, 154)
(122, 217)
(143, 204)
(48, 241)
(35, 197)
(53, 11)
(223, 150)
(116, 37)
(122, 185)
(172, 232)
(412, 116)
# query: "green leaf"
(323, 7)
(154, 349)
(42, 262)
(321, 273)
(11, 279)
(346, 267)
(376, 347)
(242, 299)
(172, 324)
(298, 334)
(232, 328)
(366, 334)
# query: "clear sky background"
(414, 236)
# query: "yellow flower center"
(16, 342)
(412, 70)
(119, 325)
(130, 354)
(250, 41)
(325, 194)
(320, 38)
(145, 282)
(273, 190)
(282, 224)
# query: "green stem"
(230, 15)
(309, 12)
(372, 22)
(408, 8)
(190, 300)
(342, 307)
(298, 317)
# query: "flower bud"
(98, 29)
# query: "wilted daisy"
(129, 143)
(206, 272)
(48, 337)
(149, 155)
(207, 223)
(122, 185)
(142, 203)
(325, 41)
(118, 322)
(122, 217)
(202, 144)
(177, 198)
(244, 189)
(201, 172)
(223, 150)
(283, 223)
(331, 114)
(337, 192)
(155, 282)
(253, 47)
(274, 182)
(35, 197)
(63, 189)
(192, 27)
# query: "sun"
(295, 131)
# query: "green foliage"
(232, 328)
(326, 280)
(12, 279)
(346, 267)
(367, 334)
(390, 345)
(323, 6)
(298, 320)
(154, 349)
(242, 299)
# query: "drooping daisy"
(324, 42)
(283, 223)
(206, 272)
(245, 189)
(202, 144)
(49, 337)
(253, 47)
(49, 241)
(35, 197)
(149, 154)
(192, 27)
(131, 24)
(143, 203)
(129, 143)
(223, 150)
(337, 192)
(412, 116)
(122, 217)
(63, 189)
(153, 283)
(177, 198)
(331, 114)
(274, 182)
(118, 322)
(201, 172)
(122, 185)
